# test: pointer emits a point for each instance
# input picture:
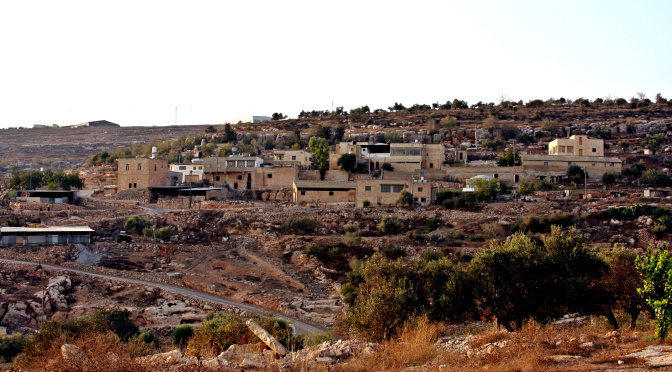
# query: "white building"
(193, 171)
(248, 119)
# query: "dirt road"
(300, 327)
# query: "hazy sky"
(133, 62)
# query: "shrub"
(431, 255)
(182, 335)
(136, 224)
(557, 219)
(366, 203)
(493, 230)
(217, 333)
(455, 235)
(387, 167)
(280, 329)
(477, 238)
(350, 228)
(389, 225)
(162, 233)
(319, 338)
(116, 320)
(314, 250)
(352, 239)
(335, 251)
(432, 224)
(146, 343)
(300, 224)
(530, 223)
(11, 346)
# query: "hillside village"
(285, 217)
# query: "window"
(546, 163)
(611, 164)
(235, 185)
(431, 165)
(593, 165)
(135, 185)
(128, 167)
(303, 192)
(269, 176)
(154, 167)
(182, 167)
(367, 188)
(139, 166)
(218, 178)
(331, 193)
(293, 157)
(385, 188)
(239, 177)
(201, 167)
(130, 186)
(423, 200)
(594, 149)
(397, 188)
(569, 163)
(419, 189)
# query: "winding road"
(299, 326)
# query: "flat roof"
(571, 158)
(331, 185)
(52, 229)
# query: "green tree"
(485, 189)
(655, 178)
(323, 131)
(494, 144)
(509, 159)
(625, 145)
(405, 198)
(136, 224)
(229, 134)
(608, 178)
(576, 174)
(387, 167)
(656, 289)
(389, 225)
(527, 188)
(347, 162)
(116, 320)
(320, 149)
(181, 335)
(386, 294)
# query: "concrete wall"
(324, 196)
(142, 173)
(331, 175)
(386, 192)
(595, 169)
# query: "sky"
(156, 63)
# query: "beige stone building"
(301, 158)
(577, 145)
(386, 192)
(247, 173)
(142, 173)
(555, 166)
(324, 192)
(188, 171)
(402, 156)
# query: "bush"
(335, 251)
(300, 224)
(182, 335)
(387, 167)
(319, 338)
(352, 239)
(314, 250)
(217, 333)
(432, 224)
(531, 223)
(11, 346)
(389, 225)
(116, 320)
(366, 203)
(162, 233)
(431, 255)
(477, 238)
(136, 224)
(493, 230)
(455, 235)
(146, 343)
(350, 228)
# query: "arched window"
(139, 166)
(154, 167)
(128, 167)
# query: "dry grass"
(414, 347)
(100, 353)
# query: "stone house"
(247, 173)
(402, 156)
(301, 158)
(385, 191)
(318, 192)
(576, 145)
(142, 173)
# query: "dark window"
(419, 189)
(135, 185)
(182, 167)
(154, 167)
(139, 166)
(594, 149)
(397, 188)
(240, 177)
(423, 199)
(611, 165)
(431, 165)
(235, 185)
(331, 193)
(546, 163)
(128, 167)
(269, 176)
(293, 157)
(385, 188)
(303, 192)
(218, 178)
(367, 188)
(130, 186)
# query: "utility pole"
(190, 172)
(175, 115)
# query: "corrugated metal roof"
(345, 185)
(50, 229)
(571, 158)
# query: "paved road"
(300, 327)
